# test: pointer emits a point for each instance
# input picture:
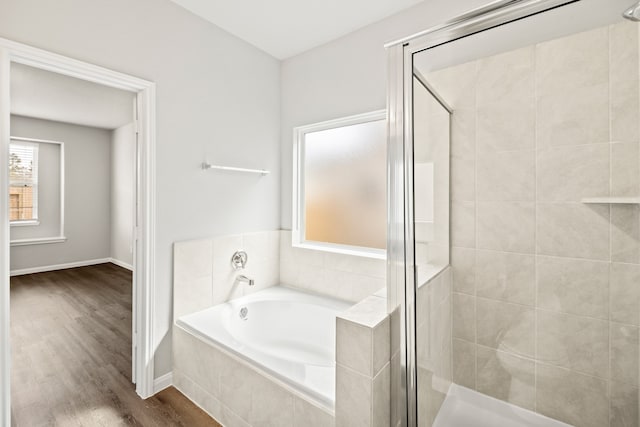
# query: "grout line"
(475, 227)
(609, 324)
(535, 232)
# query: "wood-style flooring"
(71, 354)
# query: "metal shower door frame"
(401, 271)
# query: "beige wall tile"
(456, 85)
(307, 414)
(507, 127)
(463, 220)
(198, 395)
(196, 360)
(353, 397)
(625, 353)
(464, 323)
(262, 245)
(561, 63)
(625, 233)
(355, 264)
(193, 258)
(625, 112)
(493, 167)
(382, 344)
(463, 154)
(236, 385)
(625, 293)
(507, 327)
(192, 276)
(573, 230)
(463, 265)
(573, 286)
(625, 91)
(578, 117)
(463, 131)
(506, 276)
(348, 286)
(573, 342)
(506, 226)
(231, 419)
(191, 295)
(506, 377)
(223, 249)
(625, 168)
(380, 401)
(507, 78)
(570, 173)
(464, 363)
(624, 405)
(271, 405)
(571, 397)
(431, 396)
(463, 178)
(354, 346)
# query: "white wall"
(87, 194)
(347, 76)
(122, 193)
(217, 97)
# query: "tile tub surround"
(234, 392)
(237, 394)
(363, 368)
(202, 272)
(346, 277)
(203, 275)
(215, 379)
(434, 346)
(546, 295)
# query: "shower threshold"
(465, 407)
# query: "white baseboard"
(162, 382)
(121, 264)
(86, 263)
(45, 268)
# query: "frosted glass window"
(343, 180)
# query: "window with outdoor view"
(23, 182)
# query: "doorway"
(143, 232)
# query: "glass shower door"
(535, 320)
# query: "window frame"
(60, 237)
(298, 215)
(35, 219)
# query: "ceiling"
(284, 28)
(45, 95)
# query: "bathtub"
(286, 332)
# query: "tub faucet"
(244, 279)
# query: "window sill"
(29, 223)
(344, 250)
(38, 241)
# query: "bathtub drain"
(244, 313)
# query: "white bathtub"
(289, 333)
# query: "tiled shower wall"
(546, 289)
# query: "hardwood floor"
(71, 354)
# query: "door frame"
(144, 235)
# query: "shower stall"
(513, 256)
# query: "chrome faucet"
(244, 279)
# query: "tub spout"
(244, 279)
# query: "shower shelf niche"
(613, 200)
